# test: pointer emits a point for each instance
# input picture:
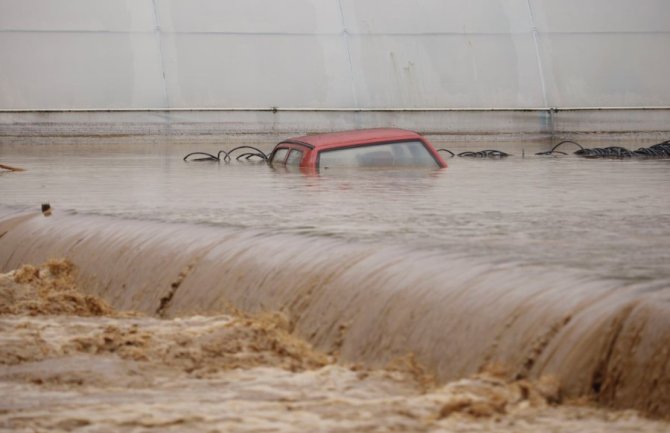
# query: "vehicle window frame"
(273, 160)
(289, 145)
(291, 151)
(380, 143)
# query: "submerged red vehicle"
(380, 147)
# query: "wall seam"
(548, 118)
(345, 36)
(536, 42)
(157, 24)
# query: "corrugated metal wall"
(60, 54)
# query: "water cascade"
(370, 302)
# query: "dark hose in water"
(370, 303)
(204, 156)
(488, 153)
(660, 150)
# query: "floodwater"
(610, 218)
(71, 363)
(526, 294)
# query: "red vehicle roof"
(359, 136)
(318, 143)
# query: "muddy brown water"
(70, 362)
(547, 267)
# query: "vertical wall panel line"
(159, 34)
(345, 36)
(536, 42)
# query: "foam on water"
(83, 369)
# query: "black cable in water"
(553, 149)
(259, 152)
(250, 155)
(208, 157)
(660, 150)
(495, 153)
(488, 153)
(448, 151)
(227, 155)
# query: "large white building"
(342, 55)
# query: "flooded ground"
(525, 294)
(608, 217)
(69, 362)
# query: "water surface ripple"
(610, 218)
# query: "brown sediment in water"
(47, 289)
(367, 305)
(121, 371)
(237, 341)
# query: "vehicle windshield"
(398, 154)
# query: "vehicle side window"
(294, 157)
(279, 156)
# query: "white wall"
(59, 54)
